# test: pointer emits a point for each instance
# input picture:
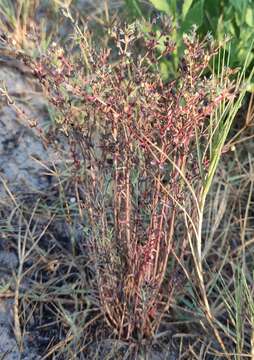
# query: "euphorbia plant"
(140, 151)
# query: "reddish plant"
(138, 139)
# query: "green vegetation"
(230, 19)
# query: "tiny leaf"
(186, 7)
(249, 16)
(161, 5)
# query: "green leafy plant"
(234, 19)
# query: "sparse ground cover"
(136, 239)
